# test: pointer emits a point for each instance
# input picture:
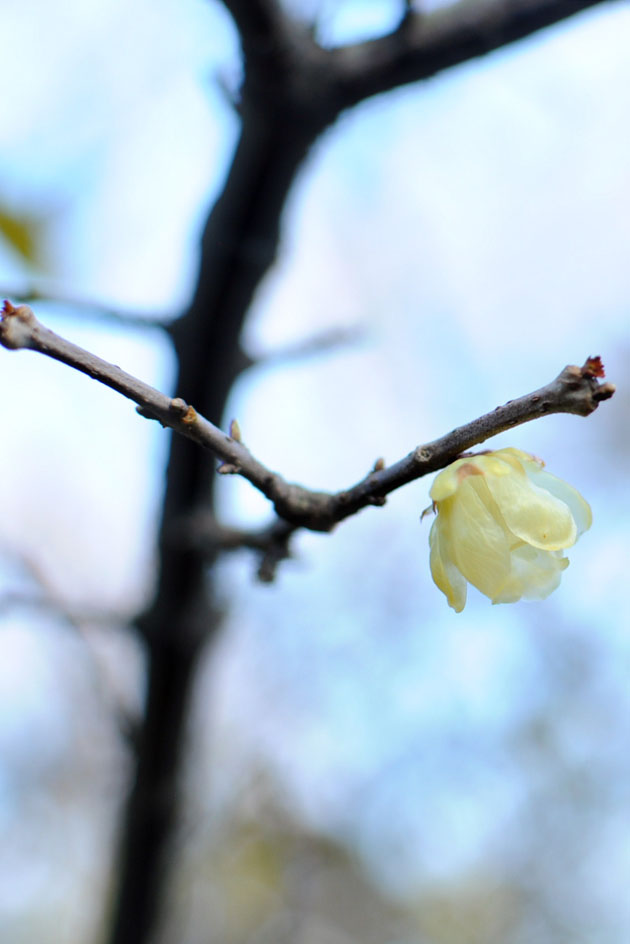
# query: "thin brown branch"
(575, 390)
(324, 342)
(270, 543)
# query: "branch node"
(228, 468)
(580, 390)
(276, 552)
(178, 406)
(604, 392)
(17, 326)
(235, 431)
(146, 413)
(407, 17)
(185, 413)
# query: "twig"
(324, 342)
(271, 543)
(46, 598)
(42, 291)
(576, 390)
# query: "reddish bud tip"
(593, 367)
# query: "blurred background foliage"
(363, 765)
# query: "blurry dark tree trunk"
(292, 91)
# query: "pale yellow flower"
(502, 525)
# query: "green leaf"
(24, 235)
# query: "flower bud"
(502, 525)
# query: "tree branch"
(259, 22)
(427, 43)
(46, 598)
(575, 390)
(270, 543)
(43, 291)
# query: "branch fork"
(575, 390)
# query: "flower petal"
(535, 471)
(446, 482)
(579, 508)
(511, 454)
(443, 570)
(479, 542)
(534, 575)
(531, 513)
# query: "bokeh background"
(363, 764)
